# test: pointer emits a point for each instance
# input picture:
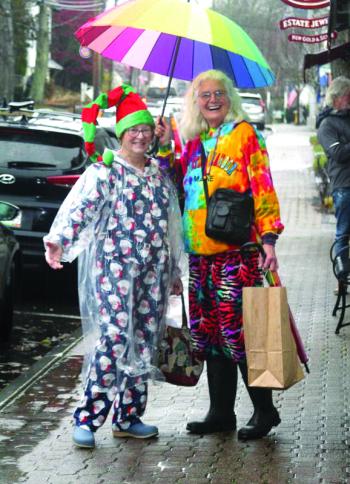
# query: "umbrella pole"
(172, 68)
(155, 146)
(173, 62)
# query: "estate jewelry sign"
(303, 23)
(307, 3)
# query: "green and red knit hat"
(130, 111)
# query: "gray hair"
(192, 122)
(340, 86)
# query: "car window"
(33, 149)
(106, 138)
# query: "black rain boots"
(265, 415)
(222, 382)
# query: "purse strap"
(204, 175)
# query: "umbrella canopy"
(176, 39)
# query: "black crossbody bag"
(230, 214)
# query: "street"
(45, 316)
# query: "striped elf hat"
(130, 111)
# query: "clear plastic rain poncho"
(125, 226)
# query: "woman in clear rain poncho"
(122, 219)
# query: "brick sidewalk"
(310, 446)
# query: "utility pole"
(37, 90)
(97, 67)
(96, 73)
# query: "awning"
(339, 52)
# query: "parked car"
(154, 99)
(42, 154)
(10, 266)
(156, 94)
(254, 106)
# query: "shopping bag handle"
(184, 314)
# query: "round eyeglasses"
(206, 95)
(134, 132)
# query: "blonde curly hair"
(192, 122)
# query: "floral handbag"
(177, 361)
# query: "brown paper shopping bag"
(270, 348)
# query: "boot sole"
(203, 431)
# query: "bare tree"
(7, 58)
(260, 19)
(37, 90)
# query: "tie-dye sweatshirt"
(236, 159)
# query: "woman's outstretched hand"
(162, 131)
(270, 262)
(53, 254)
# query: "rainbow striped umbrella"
(176, 39)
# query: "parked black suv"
(41, 156)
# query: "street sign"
(311, 39)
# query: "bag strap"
(204, 176)
(204, 161)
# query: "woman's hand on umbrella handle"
(269, 262)
(53, 254)
(162, 131)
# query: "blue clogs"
(83, 438)
(138, 430)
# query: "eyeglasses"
(206, 95)
(134, 132)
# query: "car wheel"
(6, 306)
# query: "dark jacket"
(334, 135)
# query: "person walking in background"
(124, 222)
(235, 158)
(333, 132)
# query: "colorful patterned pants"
(128, 407)
(215, 295)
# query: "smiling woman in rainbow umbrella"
(123, 221)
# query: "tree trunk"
(7, 57)
(37, 90)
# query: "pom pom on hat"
(108, 157)
(130, 111)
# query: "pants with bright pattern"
(215, 296)
(128, 407)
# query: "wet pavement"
(311, 445)
(44, 317)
